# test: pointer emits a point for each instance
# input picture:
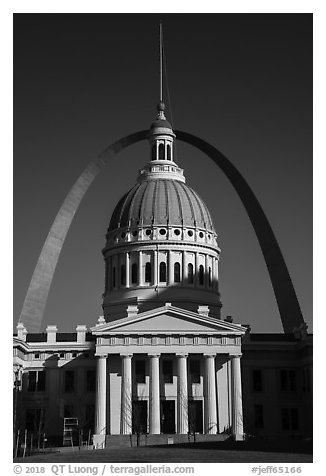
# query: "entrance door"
(195, 416)
(139, 416)
(167, 416)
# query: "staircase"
(118, 441)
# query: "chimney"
(229, 319)
(81, 333)
(203, 310)
(132, 310)
(52, 334)
(21, 331)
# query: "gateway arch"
(35, 301)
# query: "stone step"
(116, 441)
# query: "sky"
(242, 82)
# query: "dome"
(161, 202)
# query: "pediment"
(168, 320)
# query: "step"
(116, 441)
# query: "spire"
(161, 63)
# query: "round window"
(177, 232)
(162, 231)
(135, 233)
(148, 232)
(190, 233)
(201, 234)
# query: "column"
(127, 270)
(100, 402)
(154, 394)
(182, 395)
(237, 417)
(210, 413)
(140, 269)
(184, 268)
(126, 396)
(170, 269)
(155, 268)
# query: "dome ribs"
(114, 222)
(199, 203)
(179, 204)
(134, 210)
(193, 215)
(124, 215)
(144, 209)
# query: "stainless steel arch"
(36, 297)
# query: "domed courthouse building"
(161, 361)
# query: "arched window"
(201, 274)
(123, 275)
(154, 152)
(209, 276)
(161, 152)
(163, 272)
(134, 273)
(148, 273)
(190, 273)
(113, 277)
(168, 150)
(177, 272)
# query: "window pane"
(294, 418)
(161, 151)
(284, 380)
(134, 272)
(148, 273)
(190, 273)
(201, 274)
(162, 272)
(292, 380)
(177, 272)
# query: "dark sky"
(242, 82)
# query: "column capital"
(125, 355)
(181, 354)
(233, 356)
(207, 355)
(154, 354)
(103, 356)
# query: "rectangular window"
(194, 367)
(36, 381)
(288, 380)
(167, 368)
(257, 380)
(290, 419)
(35, 419)
(140, 371)
(259, 416)
(90, 380)
(69, 381)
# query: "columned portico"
(100, 404)
(210, 410)
(154, 394)
(182, 395)
(237, 417)
(126, 395)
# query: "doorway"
(167, 416)
(195, 416)
(139, 416)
